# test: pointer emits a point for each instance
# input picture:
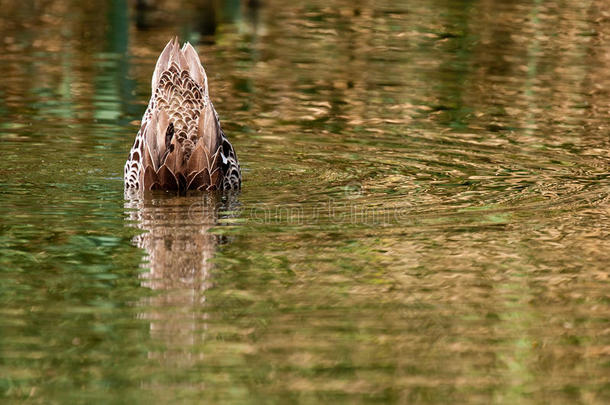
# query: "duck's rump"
(181, 143)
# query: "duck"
(180, 145)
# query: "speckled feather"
(180, 144)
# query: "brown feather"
(182, 62)
(195, 68)
(175, 159)
(182, 182)
(175, 53)
(202, 178)
(151, 141)
(146, 159)
(167, 179)
(162, 64)
(199, 159)
(170, 161)
(161, 128)
(150, 157)
(150, 178)
(208, 128)
(215, 177)
(215, 160)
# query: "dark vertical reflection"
(205, 21)
(196, 21)
(118, 29)
(114, 86)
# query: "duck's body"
(180, 145)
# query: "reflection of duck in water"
(180, 145)
(179, 248)
(176, 239)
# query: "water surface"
(425, 213)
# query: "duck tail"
(182, 136)
(186, 59)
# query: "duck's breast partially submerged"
(180, 145)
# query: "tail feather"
(200, 181)
(195, 170)
(182, 139)
(186, 59)
(195, 67)
(208, 129)
(162, 63)
(199, 158)
(167, 179)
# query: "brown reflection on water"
(535, 70)
(420, 309)
(179, 247)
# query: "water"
(424, 215)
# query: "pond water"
(425, 213)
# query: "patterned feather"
(181, 145)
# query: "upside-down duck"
(180, 145)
